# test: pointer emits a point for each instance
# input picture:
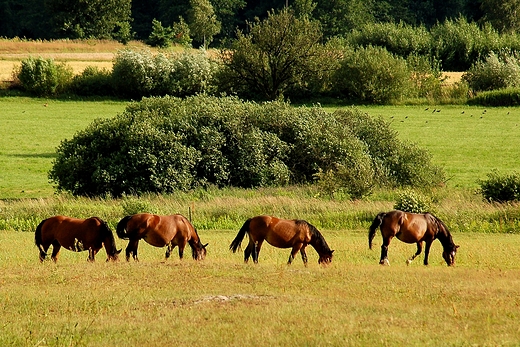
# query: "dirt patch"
(227, 298)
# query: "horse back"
(406, 226)
(160, 230)
(73, 233)
(282, 233)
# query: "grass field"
(223, 302)
(31, 130)
(468, 142)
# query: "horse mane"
(107, 233)
(443, 234)
(317, 239)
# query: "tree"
(339, 17)
(203, 21)
(160, 36)
(504, 15)
(100, 19)
(277, 54)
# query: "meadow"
(223, 302)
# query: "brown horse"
(160, 231)
(281, 233)
(413, 228)
(75, 235)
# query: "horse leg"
(131, 249)
(256, 250)
(427, 251)
(181, 251)
(248, 251)
(91, 254)
(419, 250)
(169, 249)
(43, 251)
(304, 256)
(296, 248)
(384, 252)
(55, 250)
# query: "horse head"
(199, 251)
(326, 257)
(449, 255)
(115, 256)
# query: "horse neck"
(318, 241)
(109, 240)
(444, 235)
(194, 242)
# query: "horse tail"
(373, 228)
(121, 228)
(38, 238)
(240, 236)
(38, 233)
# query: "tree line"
(217, 21)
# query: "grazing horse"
(281, 233)
(160, 231)
(413, 228)
(76, 235)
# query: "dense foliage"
(501, 188)
(43, 77)
(162, 145)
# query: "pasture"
(223, 302)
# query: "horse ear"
(331, 251)
(457, 246)
(204, 246)
(119, 251)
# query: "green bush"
(501, 97)
(162, 145)
(43, 77)
(93, 81)
(141, 74)
(397, 163)
(398, 38)
(372, 75)
(413, 202)
(190, 74)
(495, 72)
(501, 188)
(458, 44)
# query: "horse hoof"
(386, 262)
(408, 262)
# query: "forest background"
(218, 20)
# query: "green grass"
(469, 142)
(223, 302)
(468, 145)
(31, 130)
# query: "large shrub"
(500, 97)
(93, 81)
(398, 38)
(496, 71)
(501, 188)
(457, 44)
(141, 74)
(43, 77)
(372, 75)
(161, 145)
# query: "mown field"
(223, 302)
